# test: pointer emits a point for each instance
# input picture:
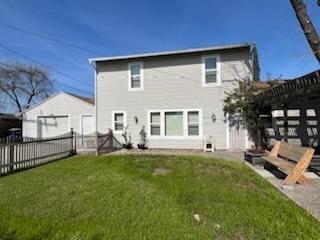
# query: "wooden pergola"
(302, 89)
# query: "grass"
(147, 197)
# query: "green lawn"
(147, 197)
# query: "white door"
(52, 126)
(87, 124)
(237, 133)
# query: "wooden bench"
(292, 160)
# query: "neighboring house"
(57, 114)
(10, 124)
(177, 95)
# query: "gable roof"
(173, 52)
(85, 99)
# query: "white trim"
(185, 124)
(141, 88)
(179, 51)
(203, 70)
(227, 131)
(95, 100)
(53, 96)
(124, 121)
(48, 116)
(87, 115)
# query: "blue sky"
(125, 27)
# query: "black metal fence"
(27, 153)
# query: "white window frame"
(113, 113)
(218, 70)
(192, 123)
(185, 124)
(150, 123)
(141, 88)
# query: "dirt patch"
(160, 171)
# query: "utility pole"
(307, 26)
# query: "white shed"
(57, 114)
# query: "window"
(155, 124)
(175, 123)
(210, 70)
(193, 123)
(119, 121)
(135, 77)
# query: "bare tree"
(307, 26)
(24, 84)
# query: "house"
(177, 95)
(10, 124)
(57, 114)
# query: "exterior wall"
(170, 82)
(61, 104)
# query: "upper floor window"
(135, 76)
(211, 70)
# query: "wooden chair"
(292, 160)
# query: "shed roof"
(85, 99)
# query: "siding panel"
(61, 104)
(171, 82)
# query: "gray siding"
(170, 82)
(61, 104)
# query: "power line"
(59, 83)
(62, 84)
(38, 35)
(37, 62)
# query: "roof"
(86, 99)
(8, 116)
(173, 52)
(261, 86)
(304, 87)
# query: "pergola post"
(285, 122)
(258, 130)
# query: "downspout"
(93, 65)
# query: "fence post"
(111, 140)
(96, 135)
(11, 157)
(75, 141)
(71, 141)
